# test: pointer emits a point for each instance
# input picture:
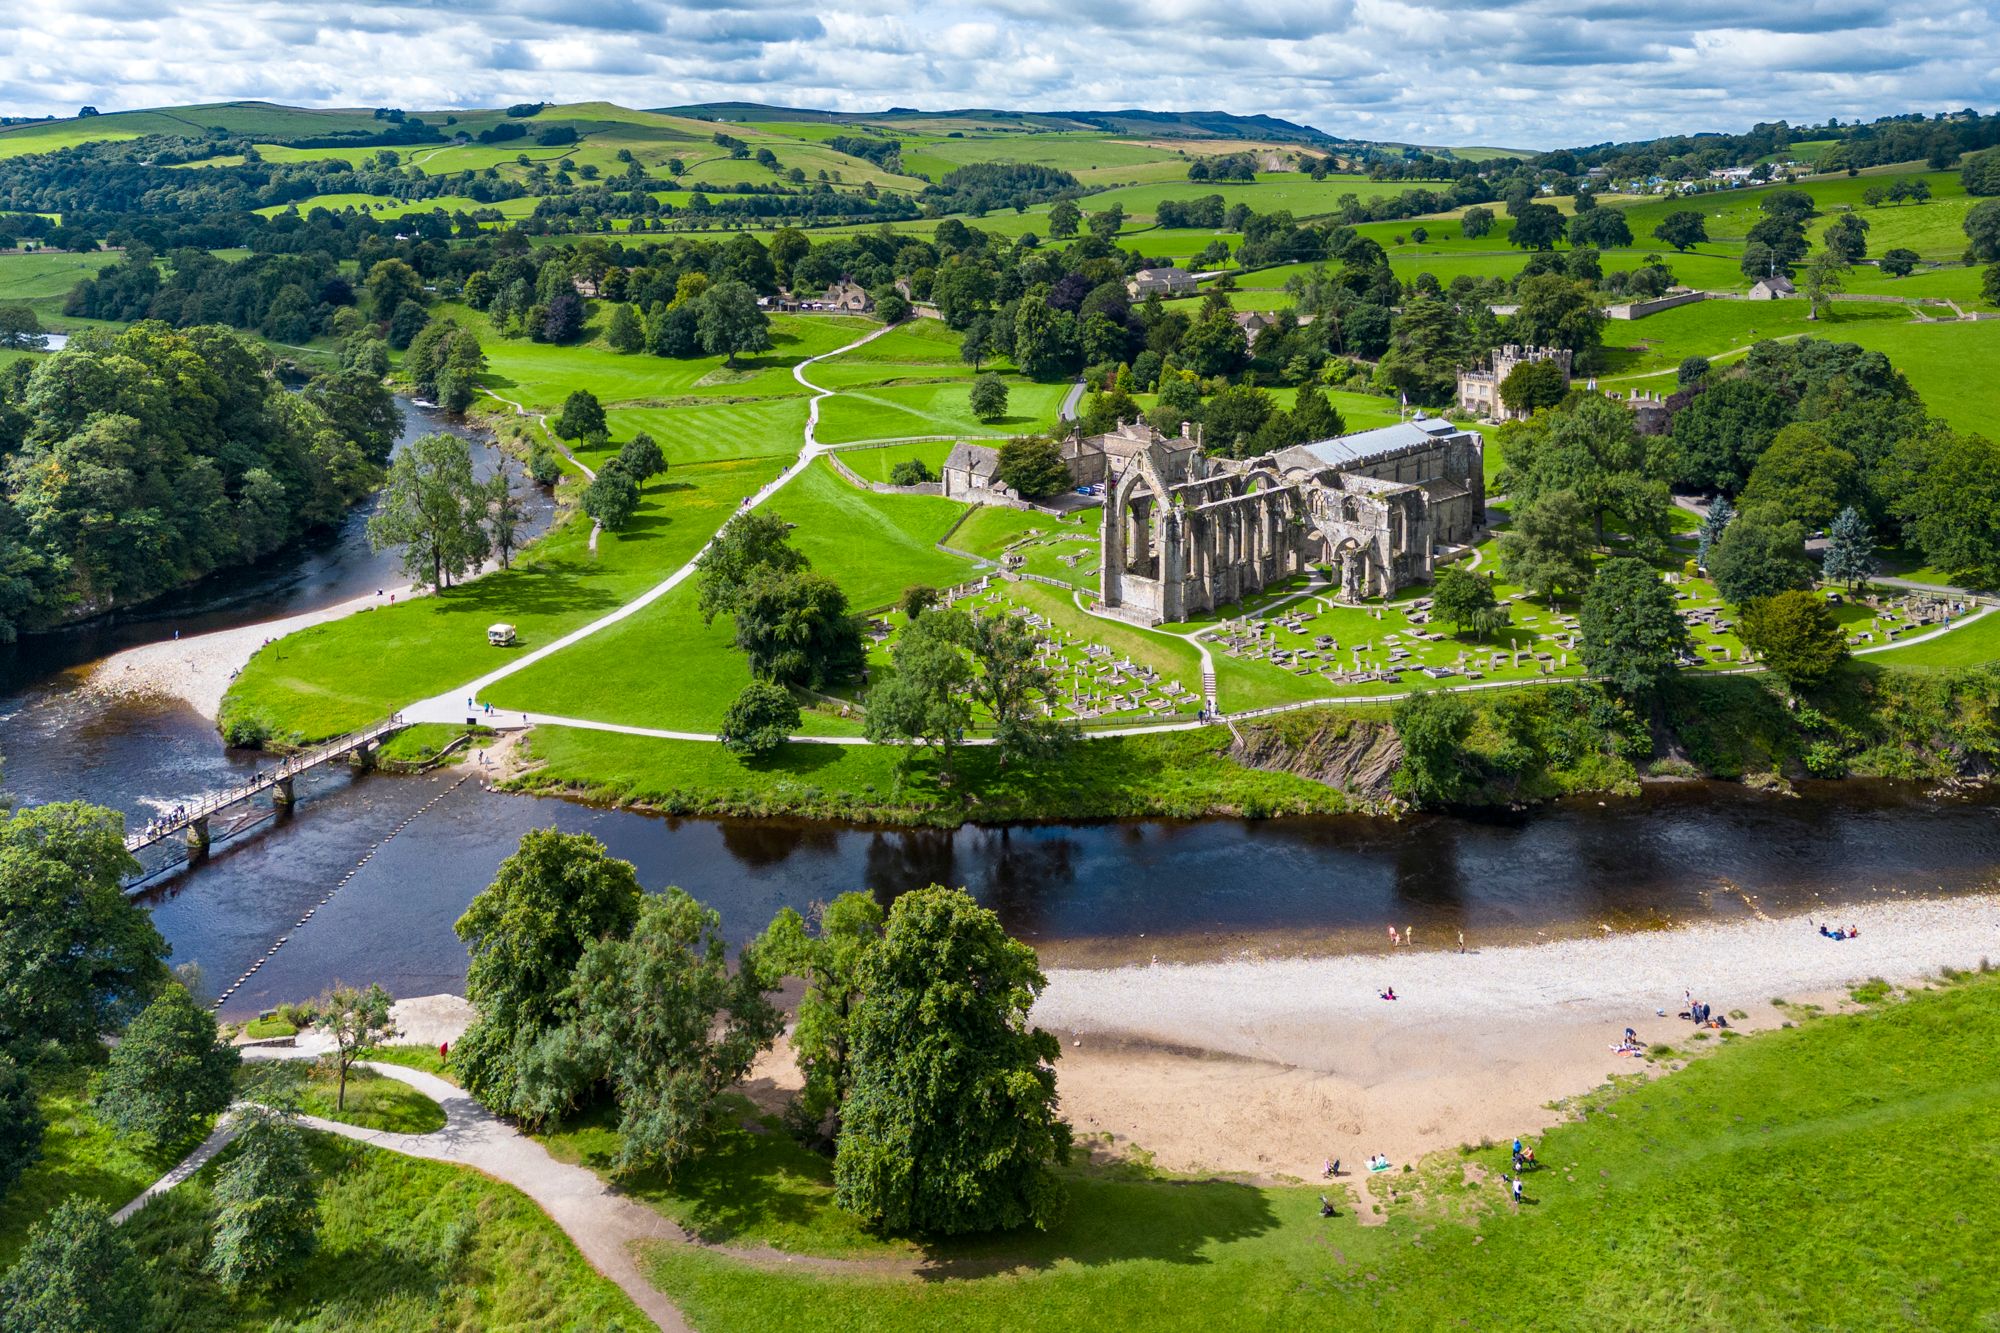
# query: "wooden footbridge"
(190, 822)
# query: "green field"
(1727, 1195)
(42, 279)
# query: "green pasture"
(934, 409)
(1726, 1195)
(335, 677)
(385, 207)
(876, 464)
(250, 118)
(43, 278)
(1954, 366)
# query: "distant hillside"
(1159, 124)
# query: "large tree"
(77, 957)
(1803, 475)
(1537, 227)
(989, 397)
(1849, 557)
(1759, 554)
(581, 416)
(612, 496)
(1547, 548)
(1556, 311)
(1467, 601)
(1724, 431)
(1630, 631)
(1011, 686)
(755, 542)
(267, 1203)
(951, 1125)
(526, 932)
(1033, 465)
(1796, 635)
(759, 720)
(923, 701)
(662, 1018)
(435, 509)
(21, 1123)
(729, 322)
(1533, 384)
(796, 629)
(1683, 229)
(78, 1273)
(168, 1072)
(1948, 500)
(1592, 449)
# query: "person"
(1394, 939)
(444, 1050)
(1325, 1206)
(1461, 941)
(1527, 1157)
(1517, 1189)
(1410, 936)
(1387, 994)
(1853, 932)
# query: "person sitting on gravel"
(1388, 994)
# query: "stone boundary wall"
(1641, 309)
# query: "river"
(401, 856)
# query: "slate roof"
(1346, 450)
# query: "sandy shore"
(1270, 1067)
(197, 669)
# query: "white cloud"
(1529, 73)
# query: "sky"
(1523, 74)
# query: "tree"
(526, 932)
(563, 321)
(1982, 232)
(1011, 686)
(664, 1021)
(951, 1125)
(911, 472)
(20, 327)
(989, 397)
(923, 701)
(1533, 384)
(78, 1273)
(1683, 229)
(1106, 224)
(1591, 447)
(21, 1125)
(625, 333)
(267, 1204)
(1033, 466)
(1824, 280)
(434, 509)
(168, 1071)
(1989, 285)
(1724, 431)
(977, 342)
(1555, 311)
(759, 720)
(612, 497)
(1979, 173)
(728, 321)
(1064, 216)
(1849, 557)
(1630, 632)
(504, 514)
(1949, 504)
(1760, 554)
(755, 542)
(827, 955)
(642, 457)
(1692, 371)
(1431, 726)
(796, 630)
(1604, 228)
(544, 464)
(77, 957)
(356, 1020)
(1044, 338)
(1846, 238)
(391, 282)
(1466, 600)
(1537, 227)
(1713, 525)
(581, 415)
(1796, 635)
(1803, 475)
(1547, 548)
(1475, 222)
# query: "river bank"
(1270, 1067)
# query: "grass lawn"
(414, 1056)
(1642, 349)
(80, 1155)
(335, 677)
(1182, 774)
(374, 1101)
(41, 280)
(1954, 366)
(1973, 644)
(1722, 1196)
(706, 433)
(873, 545)
(893, 411)
(403, 1244)
(877, 464)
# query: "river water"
(401, 856)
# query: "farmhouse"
(1479, 387)
(1182, 533)
(848, 297)
(971, 471)
(1173, 281)
(1774, 288)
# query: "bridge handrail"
(289, 767)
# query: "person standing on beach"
(1461, 941)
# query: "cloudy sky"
(1532, 73)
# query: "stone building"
(848, 297)
(1170, 281)
(1479, 387)
(1182, 533)
(971, 472)
(1777, 287)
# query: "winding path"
(449, 706)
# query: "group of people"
(1835, 932)
(166, 821)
